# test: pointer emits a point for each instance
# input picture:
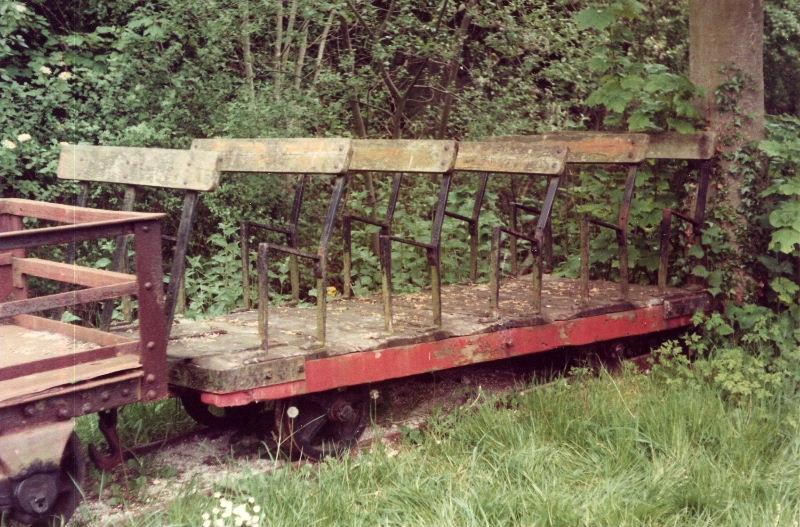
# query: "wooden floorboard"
(224, 354)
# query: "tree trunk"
(726, 39)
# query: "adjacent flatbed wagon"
(51, 371)
(314, 364)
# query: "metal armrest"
(601, 223)
(364, 219)
(458, 216)
(291, 250)
(409, 241)
(273, 228)
(526, 208)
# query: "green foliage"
(635, 94)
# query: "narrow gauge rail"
(313, 364)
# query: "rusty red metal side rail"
(390, 363)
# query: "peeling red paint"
(391, 363)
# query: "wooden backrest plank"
(280, 156)
(403, 155)
(592, 147)
(152, 167)
(672, 145)
(510, 157)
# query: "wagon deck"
(225, 355)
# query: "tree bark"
(726, 38)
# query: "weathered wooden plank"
(70, 274)
(61, 213)
(71, 298)
(403, 155)
(72, 331)
(591, 147)
(31, 384)
(672, 145)
(152, 167)
(510, 157)
(280, 156)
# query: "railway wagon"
(53, 371)
(311, 365)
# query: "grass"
(626, 450)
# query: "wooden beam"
(85, 334)
(510, 157)
(153, 167)
(591, 147)
(70, 274)
(68, 214)
(70, 298)
(672, 145)
(280, 156)
(403, 155)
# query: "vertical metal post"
(83, 197)
(152, 322)
(188, 215)
(244, 235)
(584, 260)
(434, 256)
(386, 281)
(339, 188)
(347, 227)
(474, 227)
(262, 265)
(548, 246)
(118, 260)
(536, 279)
(622, 234)
(494, 273)
(294, 237)
(512, 242)
(666, 227)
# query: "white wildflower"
(206, 516)
(251, 500)
(218, 495)
(64, 75)
(45, 70)
(23, 138)
(20, 8)
(8, 144)
(256, 508)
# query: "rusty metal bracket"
(537, 240)
(696, 222)
(112, 456)
(292, 233)
(320, 268)
(473, 224)
(621, 230)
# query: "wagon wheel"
(218, 417)
(48, 499)
(319, 425)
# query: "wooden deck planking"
(19, 345)
(223, 354)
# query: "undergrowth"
(626, 450)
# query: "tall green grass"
(629, 450)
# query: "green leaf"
(594, 18)
(640, 121)
(681, 126)
(696, 251)
(787, 214)
(700, 271)
(784, 240)
(68, 317)
(102, 263)
(785, 288)
(790, 188)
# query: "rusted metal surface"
(379, 365)
(154, 167)
(112, 456)
(81, 296)
(68, 274)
